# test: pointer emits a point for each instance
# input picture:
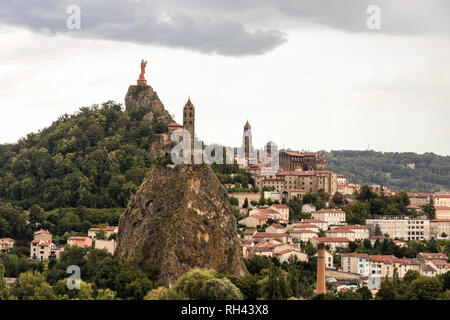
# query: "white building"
(331, 216)
(401, 227)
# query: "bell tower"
(189, 120)
(247, 140)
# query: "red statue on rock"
(141, 79)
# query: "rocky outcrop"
(180, 218)
(143, 98)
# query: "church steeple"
(189, 120)
(247, 140)
(247, 126)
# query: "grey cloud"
(227, 27)
(144, 22)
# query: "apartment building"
(442, 212)
(331, 216)
(361, 232)
(92, 232)
(401, 227)
(440, 228)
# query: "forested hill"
(95, 158)
(431, 172)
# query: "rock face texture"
(180, 218)
(143, 98)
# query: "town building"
(419, 199)
(282, 210)
(255, 220)
(308, 208)
(275, 228)
(108, 245)
(302, 235)
(321, 224)
(440, 228)
(441, 200)
(401, 227)
(331, 242)
(172, 127)
(341, 233)
(290, 160)
(360, 232)
(305, 226)
(442, 212)
(329, 260)
(80, 242)
(272, 237)
(331, 216)
(6, 245)
(92, 232)
(42, 248)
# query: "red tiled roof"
(277, 226)
(42, 231)
(330, 211)
(259, 216)
(250, 231)
(283, 252)
(339, 231)
(312, 221)
(332, 239)
(297, 154)
(266, 211)
(354, 226)
(103, 228)
(174, 124)
(270, 235)
(430, 255)
(439, 262)
(306, 226)
(441, 196)
(280, 206)
(442, 207)
(77, 238)
(354, 254)
(440, 220)
(303, 231)
(385, 258)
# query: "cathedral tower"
(189, 120)
(247, 140)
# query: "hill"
(95, 158)
(430, 172)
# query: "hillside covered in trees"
(95, 158)
(429, 172)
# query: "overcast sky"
(309, 75)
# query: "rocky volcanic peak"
(144, 98)
(180, 218)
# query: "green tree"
(31, 285)
(245, 205)
(105, 294)
(4, 292)
(424, 288)
(191, 283)
(274, 285)
(220, 289)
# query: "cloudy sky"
(309, 75)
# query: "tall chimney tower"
(321, 256)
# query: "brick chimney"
(321, 287)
